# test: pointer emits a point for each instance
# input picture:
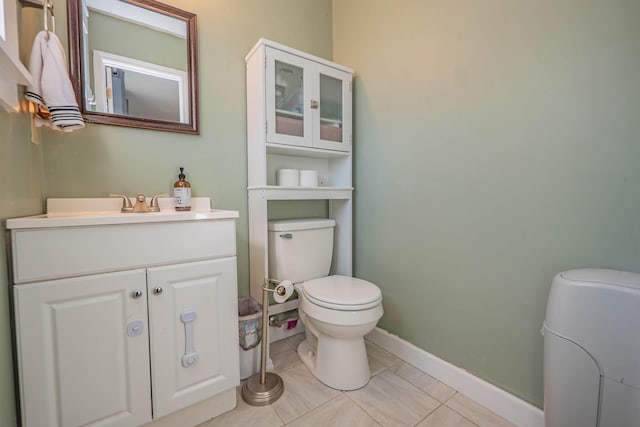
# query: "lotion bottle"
(182, 193)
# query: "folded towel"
(52, 88)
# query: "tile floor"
(397, 395)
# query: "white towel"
(52, 88)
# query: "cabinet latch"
(135, 328)
(190, 356)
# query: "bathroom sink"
(106, 211)
(91, 236)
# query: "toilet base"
(338, 363)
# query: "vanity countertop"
(79, 212)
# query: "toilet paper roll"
(308, 178)
(283, 291)
(288, 178)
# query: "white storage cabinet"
(299, 115)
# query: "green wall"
(20, 195)
(496, 144)
(101, 159)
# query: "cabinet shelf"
(300, 116)
(289, 114)
(328, 121)
(274, 192)
(297, 151)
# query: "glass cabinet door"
(288, 118)
(331, 127)
(308, 103)
(289, 99)
(330, 108)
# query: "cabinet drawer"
(43, 254)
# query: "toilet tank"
(300, 249)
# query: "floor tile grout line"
(435, 379)
(346, 393)
(410, 384)
(452, 396)
(500, 418)
(313, 409)
(462, 415)
(456, 392)
(424, 373)
(396, 362)
(282, 423)
(414, 386)
(440, 404)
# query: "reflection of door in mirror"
(115, 82)
(130, 87)
(135, 62)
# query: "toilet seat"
(342, 293)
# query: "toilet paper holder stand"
(264, 388)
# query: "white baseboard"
(497, 400)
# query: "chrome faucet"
(153, 206)
(126, 203)
(141, 203)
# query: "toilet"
(337, 311)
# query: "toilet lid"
(342, 293)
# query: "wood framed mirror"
(134, 63)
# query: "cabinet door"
(332, 117)
(198, 300)
(79, 365)
(289, 89)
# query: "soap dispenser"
(182, 193)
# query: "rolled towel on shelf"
(51, 87)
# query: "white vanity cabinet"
(299, 116)
(126, 324)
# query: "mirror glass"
(134, 64)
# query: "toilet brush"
(264, 388)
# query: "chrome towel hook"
(48, 9)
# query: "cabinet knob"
(314, 104)
(136, 294)
(157, 290)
